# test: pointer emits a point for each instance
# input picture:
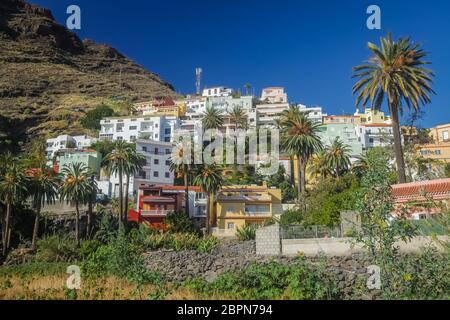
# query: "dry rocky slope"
(49, 77)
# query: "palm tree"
(299, 137)
(247, 87)
(209, 178)
(181, 169)
(318, 165)
(212, 118)
(77, 188)
(13, 189)
(337, 157)
(395, 71)
(238, 117)
(134, 164)
(117, 162)
(43, 191)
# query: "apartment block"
(130, 129)
(89, 158)
(274, 95)
(217, 92)
(440, 148)
(64, 142)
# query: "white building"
(314, 113)
(266, 114)
(68, 142)
(157, 167)
(130, 129)
(375, 135)
(217, 92)
(274, 95)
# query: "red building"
(155, 202)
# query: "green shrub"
(92, 118)
(246, 233)
(56, 249)
(301, 280)
(89, 246)
(180, 241)
(178, 222)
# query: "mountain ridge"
(49, 77)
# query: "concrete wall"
(268, 240)
(343, 246)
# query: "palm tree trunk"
(6, 229)
(89, 219)
(36, 227)
(186, 190)
(127, 189)
(120, 196)
(77, 224)
(398, 144)
(303, 175)
(299, 178)
(208, 201)
(212, 218)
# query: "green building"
(90, 158)
(347, 132)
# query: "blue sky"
(309, 47)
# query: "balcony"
(147, 213)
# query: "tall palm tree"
(238, 117)
(117, 162)
(247, 87)
(299, 137)
(212, 118)
(337, 157)
(43, 191)
(179, 166)
(134, 164)
(209, 178)
(13, 189)
(77, 188)
(397, 72)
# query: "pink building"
(274, 95)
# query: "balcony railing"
(155, 212)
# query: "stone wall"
(268, 240)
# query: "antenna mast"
(198, 77)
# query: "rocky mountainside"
(49, 77)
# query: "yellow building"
(237, 206)
(370, 116)
(440, 148)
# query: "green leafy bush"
(56, 249)
(92, 118)
(178, 222)
(246, 233)
(301, 280)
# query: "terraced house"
(237, 206)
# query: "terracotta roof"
(422, 191)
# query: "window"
(167, 131)
(167, 175)
(438, 152)
(230, 225)
(445, 135)
(133, 138)
(230, 209)
(166, 139)
(370, 140)
(167, 162)
(156, 161)
(144, 149)
(119, 138)
(156, 150)
(156, 174)
(167, 151)
(132, 127)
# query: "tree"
(299, 137)
(92, 118)
(43, 190)
(117, 162)
(396, 72)
(209, 179)
(212, 118)
(247, 87)
(179, 166)
(238, 117)
(134, 164)
(319, 166)
(77, 188)
(13, 189)
(337, 157)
